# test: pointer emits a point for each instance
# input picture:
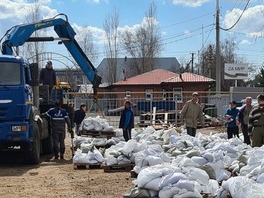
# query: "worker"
(242, 118)
(71, 113)
(59, 117)
(191, 113)
(127, 120)
(256, 123)
(79, 115)
(231, 125)
(48, 76)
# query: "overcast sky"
(185, 25)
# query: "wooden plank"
(93, 133)
(87, 166)
(119, 168)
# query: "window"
(165, 95)
(149, 94)
(177, 94)
(128, 94)
(10, 73)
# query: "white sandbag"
(168, 191)
(153, 160)
(111, 160)
(187, 162)
(148, 175)
(123, 160)
(211, 187)
(198, 175)
(242, 186)
(153, 184)
(153, 172)
(209, 157)
(153, 193)
(156, 147)
(222, 175)
(248, 168)
(129, 147)
(98, 156)
(199, 160)
(192, 153)
(185, 184)
(171, 179)
(165, 157)
(260, 178)
(187, 194)
(80, 157)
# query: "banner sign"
(236, 71)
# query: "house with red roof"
(161, 84)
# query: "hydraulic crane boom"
(20, 34)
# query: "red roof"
(189, 77)
(154, 77)
(159, 76)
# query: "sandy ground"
(58, 178)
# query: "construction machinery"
(22, 124)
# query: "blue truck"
(22, 124)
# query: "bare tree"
(85, 39)
(228, 55)
(32, 50)
(110, 25)
(145, 43)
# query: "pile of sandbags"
(87, 154)
(97, 124)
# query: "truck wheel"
(32, 149)
(47, 145)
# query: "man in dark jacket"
(58, 117)
(48, 76)
(79, 115)
(242, 118)
(256, 123)
(127, 121)
(231, 114)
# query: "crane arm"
(20, 34)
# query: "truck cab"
(21, 124)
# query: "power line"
(227, 29)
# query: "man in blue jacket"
(58, 117)
(231, 114)
(127, 121)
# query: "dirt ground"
(58, 178)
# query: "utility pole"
(192, 60)
(218, 60)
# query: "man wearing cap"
(191, 113)
(231, 114)
(48, 76)
(256, 123)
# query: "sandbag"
(136, 193)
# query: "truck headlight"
(19, 128)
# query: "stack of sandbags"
(97, 124)
(87, 154)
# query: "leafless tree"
(32, 50)
(85, 40)
(228, 55)
(145, 43)
(110, 25)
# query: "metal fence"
(154, 110)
